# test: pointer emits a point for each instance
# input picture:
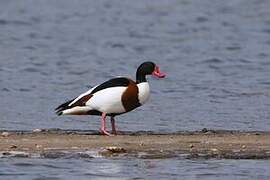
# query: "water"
(216, 55)
(119, 168)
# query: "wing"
(79, 101)
(83, 98)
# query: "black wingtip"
(59, 113)
(59, 110)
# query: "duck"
(114, 97)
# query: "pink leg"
(103, 125)
(113, 125)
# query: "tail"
(59, 110)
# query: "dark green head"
(148, 68)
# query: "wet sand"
(145, 144)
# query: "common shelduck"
(113, 97)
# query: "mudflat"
(197, 144)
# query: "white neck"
(144, 92)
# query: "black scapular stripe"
(64, 105)
(115, 82)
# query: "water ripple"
(4, 22)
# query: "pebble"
(37, 130)
(191, 145)
(38, 146)
(12, 146)
(108, 151)
(214, 150)
(5, 134)
(115, 149)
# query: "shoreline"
(220, 144)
